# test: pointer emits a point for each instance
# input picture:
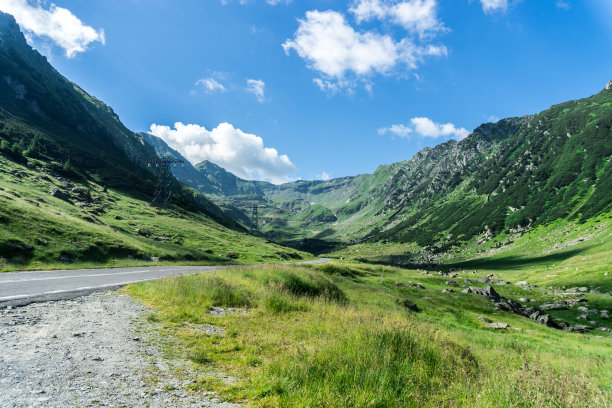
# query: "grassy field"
(98, 227)
(339, 335)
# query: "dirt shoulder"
(89, 351)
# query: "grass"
(337, 335)
(38, 231)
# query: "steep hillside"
(75, 185)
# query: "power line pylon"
(161, 197)
(255, 217)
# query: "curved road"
(23, 288)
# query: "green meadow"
(340, 335)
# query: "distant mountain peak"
(609, 85)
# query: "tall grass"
(311, 340)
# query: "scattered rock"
(468, 281)
(467, 290)
(64, 259)
(554, 306)
(583, 289)
(484, 319)
(498, 326)
(522, 283)
(57, 193)
(232, 255)
(448, 291)
(452, 283)
(409, 305)
(581, 328)
(524, 300)
(606, 329)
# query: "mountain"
(75, 184)
(504, 177)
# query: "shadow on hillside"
(497, 263)
(517, 262)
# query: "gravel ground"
(89, 351)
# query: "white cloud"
(210, 85)
(425, 128)
(56, 23)
(490, 6)
(563, 5)
(324, 176)
(416, 16)
(332, 47)
(241, 153)
(257, 88)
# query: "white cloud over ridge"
(422, 127)
(238, 152)
(330, 45)
(210, 85)
(55, 23)
(257, 88)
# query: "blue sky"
(280, 90)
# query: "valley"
(477, 273)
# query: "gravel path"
(89, 351)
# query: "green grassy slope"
(95, 227)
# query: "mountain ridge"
(398, 201)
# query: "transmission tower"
(161, 197)
(255, 217)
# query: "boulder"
(57, 193)
(581, 328)
(522, 283)
(498, 326)
(452, 283)
(448, 291)
(409, 305)
(554, 306)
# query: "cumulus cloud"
(331, 46)
(425, 128)
(55, 23)
(210, 85)
(241, 153)
(490, 6)
(416, 16)
(257, 88)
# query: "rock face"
(609, 85)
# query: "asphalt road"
(23, 288)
